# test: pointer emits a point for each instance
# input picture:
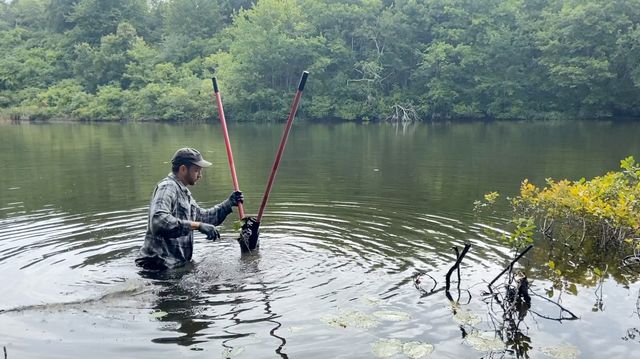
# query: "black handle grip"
(303, 80)
(215, 85)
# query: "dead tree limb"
(458, 260)
(458, 269)
(403, 114)
(417, 281)
(562, 309)
(428, 294)
(510, 266)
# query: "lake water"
(357, 214)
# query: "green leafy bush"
(606, 206)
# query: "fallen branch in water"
(562, 309)
(403, 114)
(459, 256)
(417, 281)
(455, 249)
(510, 266)
(456, 265)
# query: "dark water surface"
(357, 213)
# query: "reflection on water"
(360, 226)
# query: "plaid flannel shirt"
(169, 239)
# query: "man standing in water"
(174, 214)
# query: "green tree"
(32, 62)
(58, 14)
(194, 18)
(94, 19)
(583, 47)
(27, 13)
(446, 59)
(271, 44)
(107, 64)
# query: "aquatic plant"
(385, 348)
(585, 226)
(605, 208)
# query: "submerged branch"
(555, 319)
(510, 266)
(417, 281)
(456, 265)
(562, 309)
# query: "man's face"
(191, 175)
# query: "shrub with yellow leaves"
(607, 206)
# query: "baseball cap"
(189, 155)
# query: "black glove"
(235, 198)
(209, 230)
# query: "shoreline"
(4, 120)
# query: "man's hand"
(235, 198)
(209, 230)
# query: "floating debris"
(385, 348)
(392, 315)
(561, 351)
(484, 341)
(465, 317)
(351, 319)
(416, 350)
(159, 314)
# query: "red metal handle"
(283, 143)
(227, 143)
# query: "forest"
(369, 60)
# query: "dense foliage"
(585, 226)
(436, 59)
(605, 207)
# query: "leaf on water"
(351, 319)
(416, 350)
(465, 317)
(158, 314)
(232, 352)
(484, 341)
(385, 348)
(561, 351)
(597, 271)
(391, 315)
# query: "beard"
(193, 179)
